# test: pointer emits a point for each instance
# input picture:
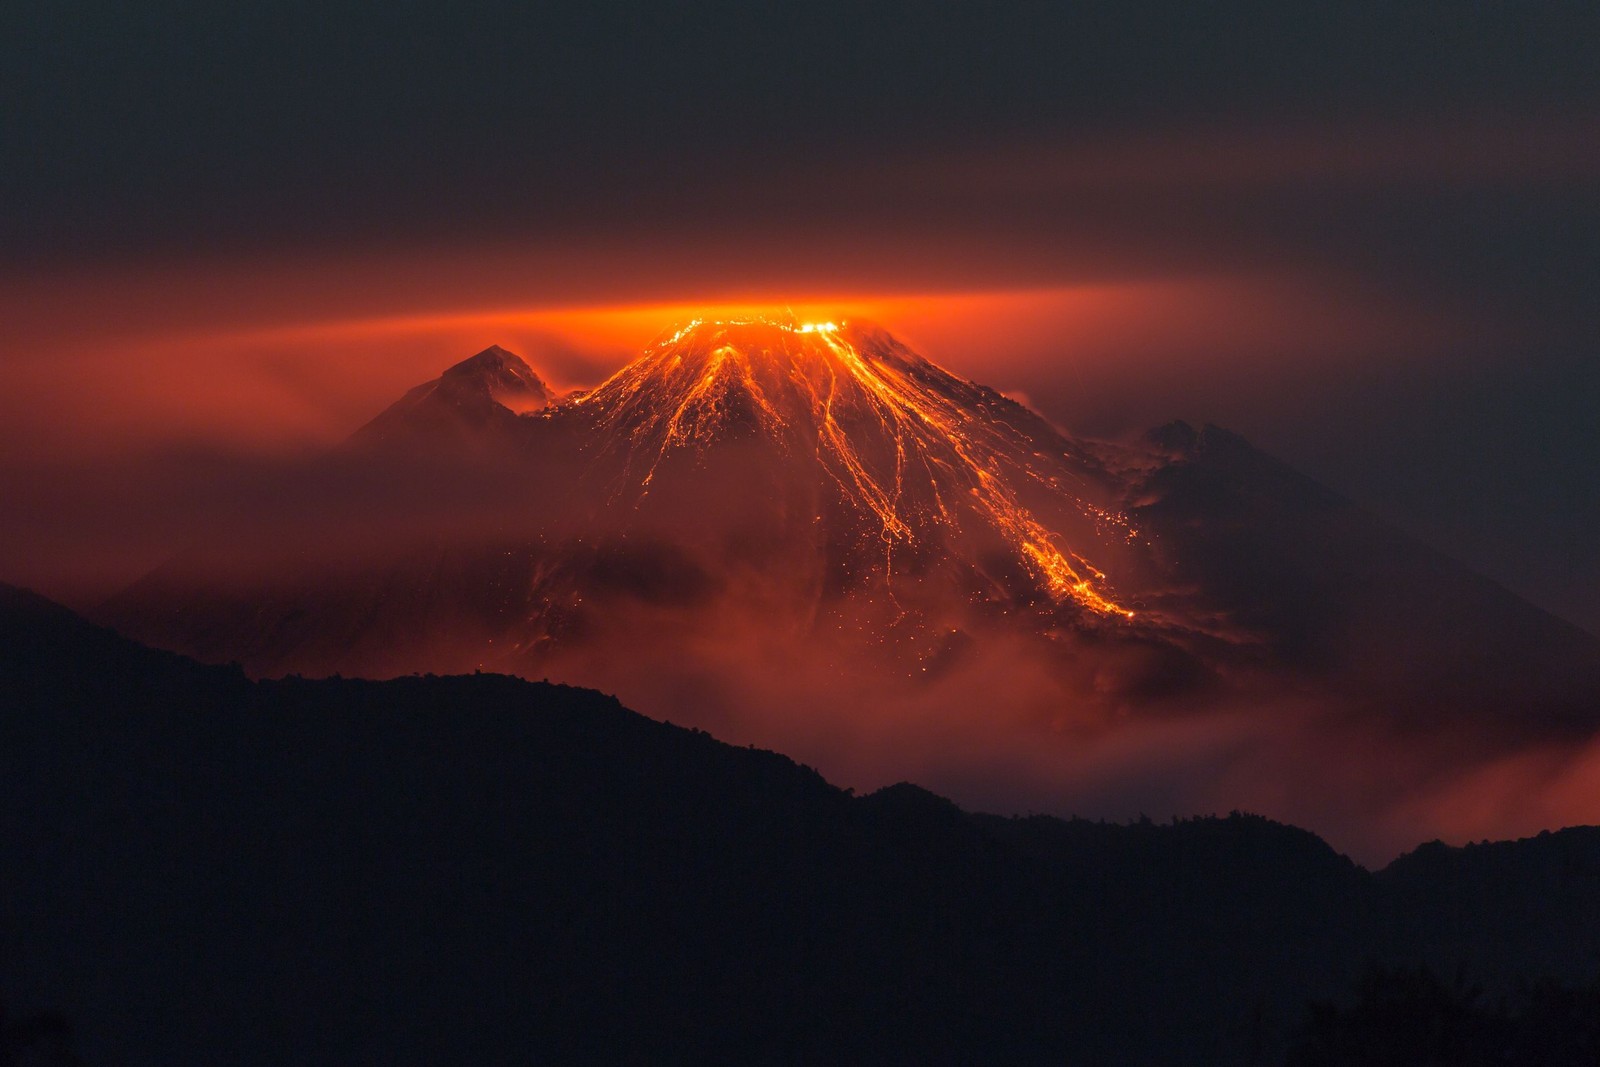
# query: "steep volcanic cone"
(813, 488)
(893, 467)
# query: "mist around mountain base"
(817, 541)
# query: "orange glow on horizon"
(1240, 317)
(311, 379)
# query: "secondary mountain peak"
(469, 398)
(498, 375)
(501, 371)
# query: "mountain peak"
(1176, 437)
(915, 455)
(782, 343)
(709, 379)
(505, 375)
(480, 391)
(492, 358)
(1182, 441)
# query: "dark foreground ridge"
(198, 868)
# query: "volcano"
(824, 471)
(809, 536)
(899, 466)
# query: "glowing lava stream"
(799, 379)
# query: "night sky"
(1366, 238)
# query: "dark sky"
(1408, 194)
(130, 127)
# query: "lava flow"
(909, 446)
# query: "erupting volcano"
(809, 536)
(908, 458)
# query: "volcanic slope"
(820, 480)
(815, 475)
(900, 462)
(907, 574)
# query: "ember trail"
(844, 391)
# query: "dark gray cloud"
(165, 124)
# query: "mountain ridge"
(479, 865)
(908, 575)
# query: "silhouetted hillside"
(196, 868)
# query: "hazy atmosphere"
(1363, 240)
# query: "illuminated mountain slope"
(902, 460)
(810, 537)
(823, 476)
(462, 403)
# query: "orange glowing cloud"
(118, 381)
(315, 380)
